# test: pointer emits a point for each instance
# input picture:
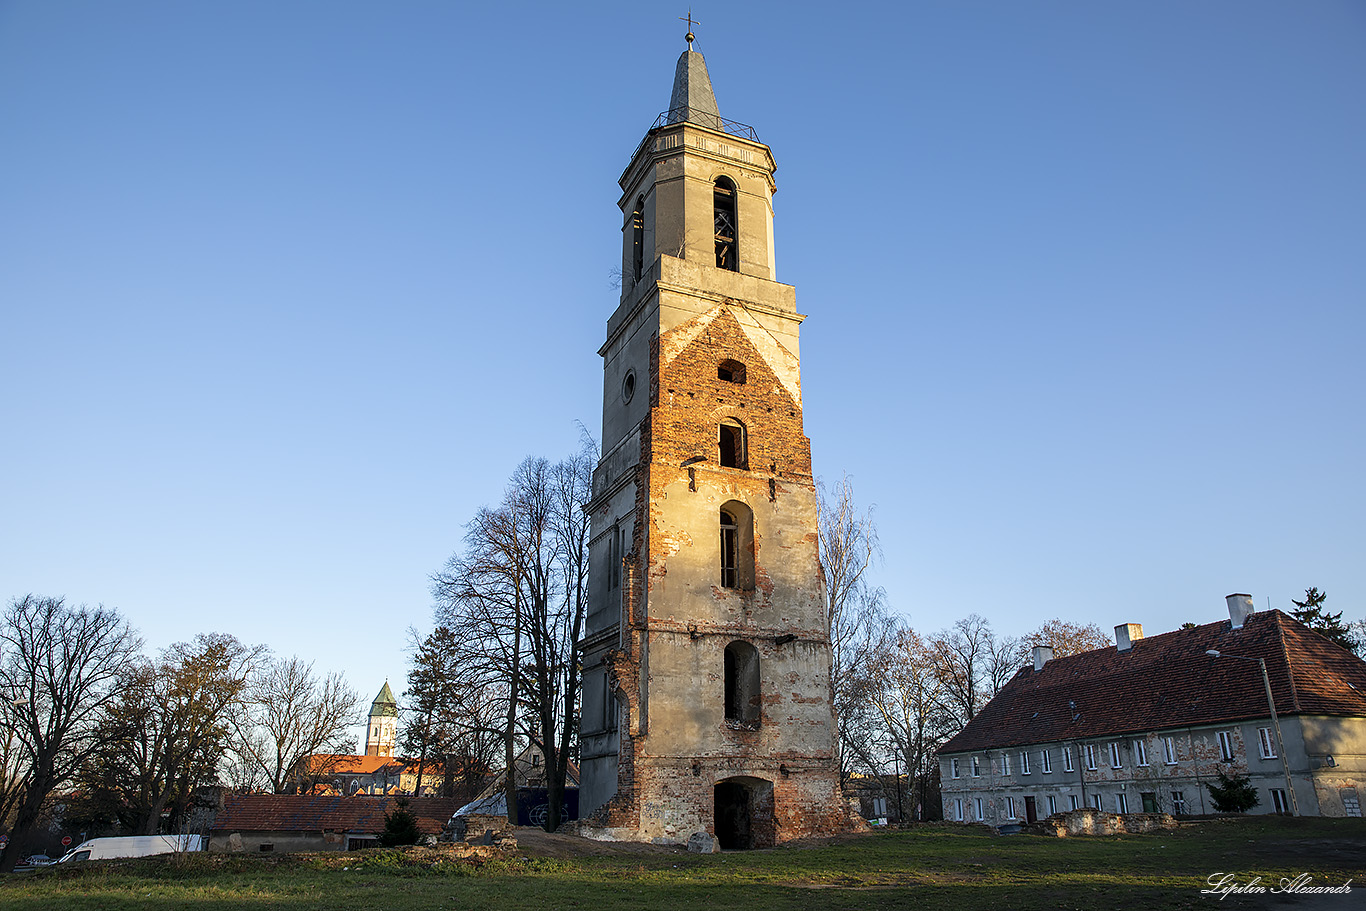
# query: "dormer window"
(723, 196)
(731, 372)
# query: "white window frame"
(958, 808)
(953, 768)
(976, 767)
(1179, 803)
(1074, 800)
(1116, 759)
(1005, 763)
(1169, 750)
(1121, 803)
(1140, 752)
(1052, 804)
(1024, 762)
(1067, 761)
(1045, 764)
(1267, 739)
(1095, 802)
(1280, 804)
(1226, 746)
(1090, 757)
(977, 805)
(1010, 807)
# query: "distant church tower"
(382, 733)
(706, 702)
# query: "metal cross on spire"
(691, 22)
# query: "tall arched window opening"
(737, 546)
(723, 196)
(742, 684)
(638, 239)
(730, 533)
(732, 443)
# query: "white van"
(132, 846)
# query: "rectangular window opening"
(1226, 746)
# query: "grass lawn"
(931, 867)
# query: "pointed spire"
(384, 703)
(693, 100)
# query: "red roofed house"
(346, 774)
(304, 822)
(1143, 725)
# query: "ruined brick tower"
(706, 702)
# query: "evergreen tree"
(1233, 793)
(400, 826)
(1310, 612)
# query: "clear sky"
(287, 290)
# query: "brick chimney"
(1126, 634)
(1042, 655)
(1239, 609)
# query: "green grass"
(933, 867)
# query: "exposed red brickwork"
(796, 792)
(692, 401)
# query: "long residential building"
(1144, 725)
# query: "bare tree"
(858, 622)
(972, 664)
(516, 600)
(59, 669)
(289, 715)
(1066, 638)
(908, 696)
(167, 730)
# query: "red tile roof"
(342, 763)
(314, 813)
(1167, 681)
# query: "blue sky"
(287, 291)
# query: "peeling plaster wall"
(653, 755)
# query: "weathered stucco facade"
(707, 655)
(1147, 724)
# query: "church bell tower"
(381, 733)
(706, 702)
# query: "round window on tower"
(628, 386)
